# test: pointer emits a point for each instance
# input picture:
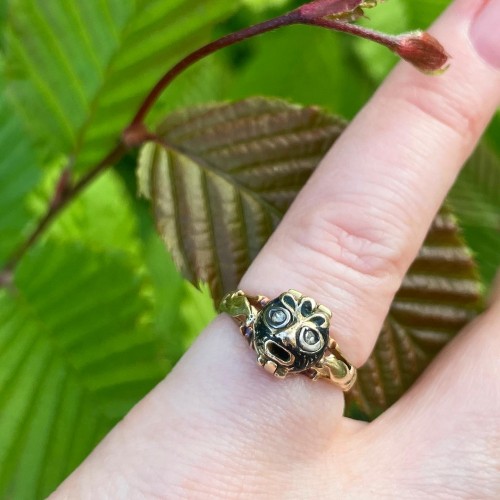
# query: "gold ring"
(290, 334)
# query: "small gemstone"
(278, 316)
(311, 337)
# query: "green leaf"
(204, 82)
(424, 12)
(476, 201)
(101, 217)
(74, 357)
(89, 301)
(3, 16)
(260, 5)
(306, 65)
(18, 175)
(78, 72)
(107, 218)
(226, 178)
(493, 133)
(440, 294)
(222, 181)
(390, 17)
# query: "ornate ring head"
(291, 333)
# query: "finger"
(358, 224)
(450, 419)
(217, 427)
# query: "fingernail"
(484, 32)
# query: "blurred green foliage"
(97, 313)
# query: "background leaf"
(18, 176)
(440, 294)
(476, 200)
(305, 65)
(78, 74)
(259, 5)
(102, 218)
(74, 357)
(423, 13)
(393, 17)
(221, 182)
(99, 310)
(3, 15)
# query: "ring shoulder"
(335, 368)
(335, 371)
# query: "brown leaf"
(227, 177)
(440, 294)
(222, 180)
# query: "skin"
(219, 426)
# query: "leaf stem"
(389, 41)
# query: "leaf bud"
(422, 50)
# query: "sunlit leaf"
(102, 217)
(78, 74)
(220, 183)
(3, 16)
(74, 357)
(97, 279)
(204, 82)
(18, 175)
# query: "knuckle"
(356, 243)
(453, 111)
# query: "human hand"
(219, 426)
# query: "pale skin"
(220, 427)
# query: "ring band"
(290, 334)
